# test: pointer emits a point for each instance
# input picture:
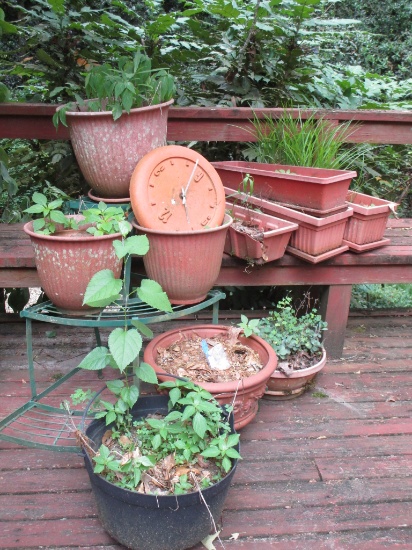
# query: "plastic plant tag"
(216, 356)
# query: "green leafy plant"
(290, 332)
(195, 430)
(132, 83)
(249, 326)
(192, 432)
(102, 220)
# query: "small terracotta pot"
(107, 151)
(364, 230)
(185, 263)
(244, 393)
(275, 235)
(281, 387)
(67, 261)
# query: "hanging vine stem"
(251, 33)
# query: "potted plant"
(70, 249)
(253, 235)
(160, 467)
(296, 336)
(234, 365)
(364, 230)
(304, 164)
(123, 118)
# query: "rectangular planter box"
(272, 243)
(316, 239)
(366, 227)
(318, 191)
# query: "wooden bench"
(389, 264)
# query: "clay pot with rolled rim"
(282, 387)
(67, 260)
(185, 263)
(245, 393)
(107, 151)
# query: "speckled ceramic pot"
(67, 261)
(107, 151)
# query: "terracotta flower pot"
(318, 191)
(185, 263)
(107, 151)
(281, 387)
(245, 393)
(365, 229)
(316, 239)
(274, 235)
(66, 262)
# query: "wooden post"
(334, 308)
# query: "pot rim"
(303, 372)
(85, 114)
(218, 388)
(28, 229)
(227, 222)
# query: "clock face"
(173, 188)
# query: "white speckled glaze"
(107, 151)
(65, 264)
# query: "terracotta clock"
(174, 188)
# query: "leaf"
(199, 424)
(152, 294)
(39, 198)
(124, 345)
(58, 217)
(143, 328)
(115, 386)
(97, 359)
(103, 289)
(211, 452)
(137, 244)
(146, 373)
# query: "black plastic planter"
(149, 522)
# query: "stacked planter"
(364, 231)
(273, 235)
(316, 199)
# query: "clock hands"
(185, 189)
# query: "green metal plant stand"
(41, 425)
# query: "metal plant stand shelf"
(40, 425)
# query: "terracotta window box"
(364, 231)
(255, 236)
(317, 191)
(316, 239)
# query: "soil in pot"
(228, 359)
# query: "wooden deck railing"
(34, 121)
